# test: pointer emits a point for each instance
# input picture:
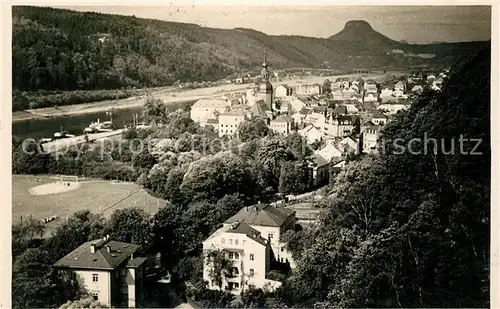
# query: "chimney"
(92, 248)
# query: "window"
(222, 241)
(251, 257)
(251, 272)
(282, 249)
(95, 295)
(281, 259)
(236, 241)
(236, 256)
(236, 285)
(236, 271)
(95, 278)
(230, 241)
(270, 235)
(231, 255)
(244, 241)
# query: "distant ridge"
(56, 49)
(362, 31)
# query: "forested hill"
(56, 49)
(411, 227)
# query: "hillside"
(56, 49)
(408, 228)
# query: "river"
(74, 124)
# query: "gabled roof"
(258, 109)
(378, 114)
(243, 228)
(305, 111)
(262, 215)
(319, 160)
(283, 118)
(341, 109)
(309, 128)
(83, 258)
(286, 86)
(370, 124)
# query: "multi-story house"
(229, 122)
(272, 223)
(369, 136)
(205, 109)
(283, 91)
(308, 89)
(282, 125)
(338, 126)
(250, 240)
(311, 134)
(107, 270)
(378, 118)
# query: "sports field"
(96, 196)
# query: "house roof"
(212, 121)
(370, 125)
(262, 214)
(232, 113)
(368, 106)
(83, 258)
(378, 114)
(211, 103)
(345, 118)
(136, 262)
(341, 109)
(283, 118)
(305, 111)
(319, 160)
(243, 228)
(258, 109)
(286, 86)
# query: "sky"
(414, 24)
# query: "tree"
(220, 266)
(252, 129)
(253, 298)
(143, 159)
(270, 156)
(327, 86)
(35, 283)
(23, 234)
(81, 227)
(130, 225)
(154, 111)
(294, 178)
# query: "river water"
(45, 127)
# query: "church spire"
(264, 74)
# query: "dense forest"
(56, 49)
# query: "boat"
(98, 126)
(62, 134)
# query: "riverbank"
(169, 97)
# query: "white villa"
(251, 239)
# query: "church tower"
(265, 89)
